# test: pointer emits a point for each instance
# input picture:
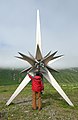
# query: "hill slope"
(11, 77)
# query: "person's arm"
(30, 75)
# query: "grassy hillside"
(67, 76)
(11, 77)
(54, 107)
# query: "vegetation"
(10, 76)
(13, 76)
(54, 106)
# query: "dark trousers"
(36, 95)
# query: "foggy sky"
(59, 30)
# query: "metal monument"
(40, 63)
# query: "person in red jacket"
(37, 88)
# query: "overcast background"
(59, 29)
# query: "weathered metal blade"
(53, 82)
(19, 89)
(47, 54)
(53, 60)
(20, 57)
(31, 56)
(51, 54)
(38, 32)
(49, 58)
(50, 69)
(26, 70)
(54, 53)
(42, 70)
(33, 69)
(56, 57)
(26, 58)
(38, 53)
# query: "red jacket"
(37, 84)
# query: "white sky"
(59, 28)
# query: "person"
(37, 88)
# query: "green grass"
(54, 106)
(12, 77)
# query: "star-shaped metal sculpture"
(40, 64)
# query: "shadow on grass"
(47, 100)
(25, 101)
(21, 102)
